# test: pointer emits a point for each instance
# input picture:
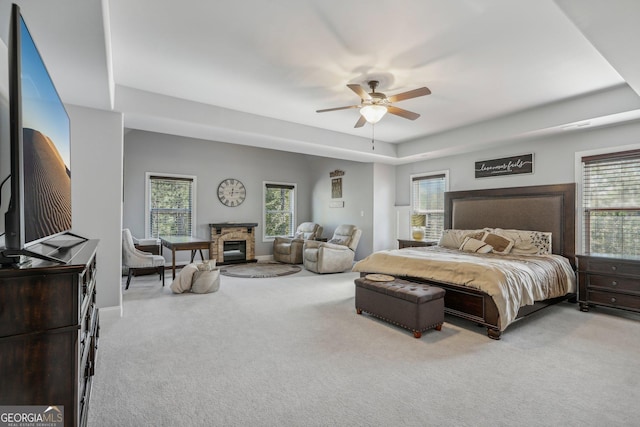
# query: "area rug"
(259, 270)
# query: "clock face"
(231, 192)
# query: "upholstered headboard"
(549, 208)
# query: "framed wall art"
(505, 166)
(336, 183)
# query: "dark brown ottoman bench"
(413, 306)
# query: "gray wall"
(384, 214)
(554, 160)
(211, 162)
(96, 191)
(357, 195)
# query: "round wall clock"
(231, 192)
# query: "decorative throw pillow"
(453, 239)
(207, 265)
(501, 244)
(528, 242)
(206, 281)
(182, 282)
(340, 241)
(471, 244)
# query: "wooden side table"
(408, 243)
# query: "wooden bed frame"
(549, 208)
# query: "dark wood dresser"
(608, 281)
(408, 243)
(49, 333)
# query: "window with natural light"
(427, 205)
(611, 203)
(279, 210)
(170, 205)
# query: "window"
(279, 209)
(611, 203)
(427, 203)
(170, 205)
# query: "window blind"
(611, 204)
(427, 195)
(279, 210)
(171, 206)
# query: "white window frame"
(266, 238)
(147, 198)
(412, 177)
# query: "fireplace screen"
(235, 250)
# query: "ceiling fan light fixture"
(373, 113)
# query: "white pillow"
(528, 242)
(474, 245)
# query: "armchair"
(333, 256)
(135, 259)
(289, 249)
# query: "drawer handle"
(614, 283)
(613, 300)
(614, 268)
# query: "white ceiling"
(254, 71)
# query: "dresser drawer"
(609, 266)
(614, 283)
(610, 299)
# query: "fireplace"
(232, 242)
(234, 250)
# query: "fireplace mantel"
(232, 232)
(219, 226)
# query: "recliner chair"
(289, 249)
(334, 256)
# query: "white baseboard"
(109, 312)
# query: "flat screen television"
(40, 154)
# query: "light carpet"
(291, 351)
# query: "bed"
(548, 209)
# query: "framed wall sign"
(336, 188)
(506, 166)
(336, 183)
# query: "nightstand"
(408, 243)
(608, 281)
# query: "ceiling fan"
(374, 105)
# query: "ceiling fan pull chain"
(373, 137)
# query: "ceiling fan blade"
(409, 94)
(402, 113)
(338, 108)
(361, 121)
(359, 91)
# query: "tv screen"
(40, 204)
(46, 148)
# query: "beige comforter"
(512, 281)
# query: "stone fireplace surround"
(232, 232)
